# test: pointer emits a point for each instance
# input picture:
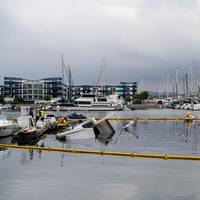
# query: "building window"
(25, 86)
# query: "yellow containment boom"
(151, 118)
(106, 153)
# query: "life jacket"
(63, 121)
(38, 113)
(42, 114)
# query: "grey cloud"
(140, 40)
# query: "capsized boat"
(7, 127)
(80, 131)
(90, 128)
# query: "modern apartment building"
(54, 88)
(34, 89)
(2, 89)
(126, 90)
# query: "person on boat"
(57, 108)
(42, 115)
(38, 114)
(31, 113)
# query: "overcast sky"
(138, 39)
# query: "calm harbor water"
(48, 175)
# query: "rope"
(152, 118)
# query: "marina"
(99, 100)
(111, 173)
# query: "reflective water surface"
(49, 175)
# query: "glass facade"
(54, 88)
(34, 89)
(126, 89)
(2, 90)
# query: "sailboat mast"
(103, 79)
(70, 86)
(186, 84)
(167, 90)
(184, 87)
(62, 76)
(176, 82)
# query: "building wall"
(33, 89)
(2, 90)
(126, 89)
(54, 88)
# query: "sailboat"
(90, 128)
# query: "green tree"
(47, 98)
(18, 100)
(138, 98)
(1, 99)
(144, 95)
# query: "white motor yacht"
(7, 127)
(94, 102)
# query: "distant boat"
(196, 106)
(94, 102)
(7, 127)
(75, 115)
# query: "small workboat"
(188, 117)
(29, 130)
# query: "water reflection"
(125, 128)
(176, 137)
(28, 155)
(5, 152)
(109, 177)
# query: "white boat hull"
(77, 134)
(7, 130)
(196, 106)
(87, 108)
